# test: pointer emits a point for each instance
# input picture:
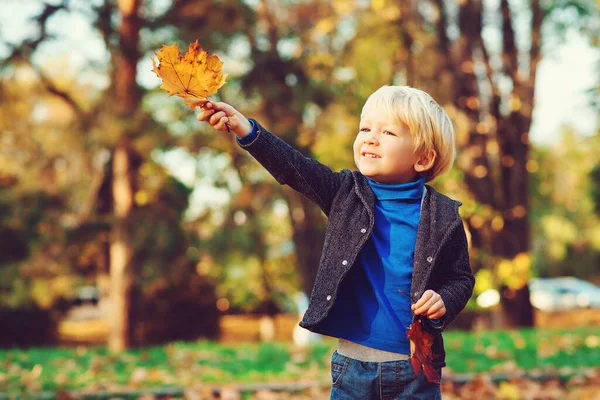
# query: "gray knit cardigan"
(441, 259)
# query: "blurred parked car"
(564, 293)
(86, 320)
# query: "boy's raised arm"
(287, 165)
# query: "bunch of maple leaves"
(194, 76)
(197, 75)
(421, 354)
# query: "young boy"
(393, 245)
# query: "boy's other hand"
(430, 304)
(224, 117)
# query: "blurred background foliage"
(107, 182)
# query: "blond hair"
(427, 121)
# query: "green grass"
(528, 350)
(186, 364)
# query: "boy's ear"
(426, 160)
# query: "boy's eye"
(388, 133)
(364, 129)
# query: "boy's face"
(384, 150)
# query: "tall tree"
(122, 104)
(490, 90)
(124, 174)
(496, 150)
(110, 125)
(479, 60)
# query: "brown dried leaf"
(421, 355)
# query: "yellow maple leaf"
(193, 76)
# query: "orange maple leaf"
(421, 355)
(193, 76)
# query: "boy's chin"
(366, 173)
(374, 177)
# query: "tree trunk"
(498, 179)
(514, 238)
(123, 179)
(513, 142)
(121, 252)
(516, 308)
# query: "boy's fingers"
(219, 105)
(204, 106)
(219, 115)
(216, 117)
(204, 115)
(215, 105)
(426, 302)
(424, 308)
(424, 298)
(222, 124)
(227, 108)
(437, 306)
(439, 314)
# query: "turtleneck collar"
(398, 191)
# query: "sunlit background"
(126, 223)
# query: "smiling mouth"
(370, 155)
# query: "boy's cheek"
(355, 151)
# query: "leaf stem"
(407, 295)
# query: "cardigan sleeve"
(456, 283)
(290, 167)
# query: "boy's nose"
(371, 140)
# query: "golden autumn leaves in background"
(193, 76)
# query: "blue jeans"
(394, 380)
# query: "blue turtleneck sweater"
(369, 310)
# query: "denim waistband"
(363, 353)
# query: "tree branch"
(27, 47)
(405, 23)
(443, 41)
(66, 97)
(478, 173)
(267, 14)
(103, 22)
(488, 67)
(509, 47)
(47, 12)
(536, 37)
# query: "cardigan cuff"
(249, 138)
(433, 326)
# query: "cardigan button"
(429, 259)
(345, 262)
(329, 297)
(363, 230)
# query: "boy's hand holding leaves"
(222, 116)
(194, 77)
(430, 304)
